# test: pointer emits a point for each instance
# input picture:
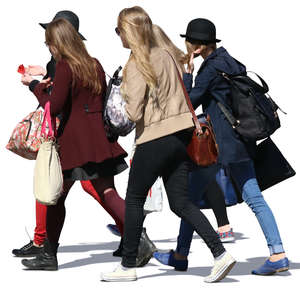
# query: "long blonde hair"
(135, 26)
(164, 42)
(65, 42)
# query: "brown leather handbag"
(203, 148)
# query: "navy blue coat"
(210, 87)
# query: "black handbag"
(270, 165)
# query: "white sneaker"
(221, 268)
(120, 274)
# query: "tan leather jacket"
(167, 115)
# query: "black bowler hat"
(202, 30)
(69, 16)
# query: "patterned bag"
(114, 109)
(25, 139)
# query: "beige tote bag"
(48, 177)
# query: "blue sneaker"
(269, 268)
(167, 258)
(113, 229)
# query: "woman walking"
(155, 101)
(85, 152)
(235, 155)
(113, 204)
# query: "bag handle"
(188, 101)
(47, 118)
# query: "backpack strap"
(231, 119)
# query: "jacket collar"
(219, 51)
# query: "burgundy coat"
(83, 138)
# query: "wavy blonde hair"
(164, 42)
(65, 42)
(135, 26)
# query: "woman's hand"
(36, 70)
(47, 81)
(196, 53)
(190, 68)
(26, 79)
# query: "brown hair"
(65, 42)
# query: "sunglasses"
(117, 31)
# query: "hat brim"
(44, 25)
(185, 36)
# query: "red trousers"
(41, 214)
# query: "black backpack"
(254, 113)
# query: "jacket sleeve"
(135, 92)
(198, 93)
(60, 92)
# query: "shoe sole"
(222, 274)
(125, 279)
(180, 270)
(39, 268)
(272, 273)
(228, 239)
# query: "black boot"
(46, 260)
(118, 252)
(145, 251)
(28, 250)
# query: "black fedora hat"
(202, 30)
(68, 15)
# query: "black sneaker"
(28, 250)
(44, 261)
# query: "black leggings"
(164, 157)
(215, 198)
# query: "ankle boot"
(148, 241)
(47, 260)
(145, 250)
(118, 252)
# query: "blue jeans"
(255, 200)
(251, 194)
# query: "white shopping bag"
(154, 200)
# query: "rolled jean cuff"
(183, 251)
(276, 249)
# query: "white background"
(262, 34)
